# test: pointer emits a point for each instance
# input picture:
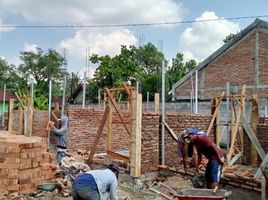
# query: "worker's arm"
(218, 153)
(197, 158)
(59, 131)
(113, 190)
(185, 156)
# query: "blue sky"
(195, 40)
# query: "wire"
(130, 25)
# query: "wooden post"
(156, 102)
(263, 188)
(254, 123)
(97, 138)
(110, 126)
(136, 118)
(21, 120)
(10, 114)
(236, 125)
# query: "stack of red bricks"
(24, 163)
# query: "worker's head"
(186, 135)
(114, 168)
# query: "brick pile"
(238, 177)
(24, 163)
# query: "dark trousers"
(82, 192)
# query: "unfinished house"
(134, 139)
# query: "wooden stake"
(254, 123)
(136, 116)
(10, 114)
(97, 138)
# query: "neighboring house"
(8, 96)
(242, 60)
(77, 96)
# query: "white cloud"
(99, 42)
(203, 38)
(95, 12)
(5, 29)
(30, 47)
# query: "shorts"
(213, 171)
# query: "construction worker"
(96, 184)
(205, 146)
(186, 150)
(62, 134)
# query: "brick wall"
(150, 142)
(83, 127)
(178, 122)
(237, 66)
(262, 130)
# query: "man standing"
(96, 184)
(62, 134)
(205, 146)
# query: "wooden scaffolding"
(132, 126)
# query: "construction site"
(144, 142)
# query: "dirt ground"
(131, 192)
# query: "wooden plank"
(117, 156)
(156, 102)
(55, 116)
(127, 88)
(237, 122)
(21, 103)
(216, 125)
(262, 167)
(253, 137)
(10, 114)
(254, 123)
(117, 109)
(235, 158)
(97, 138)
(215, 113)
(21, 120)
(171, 131)
(135, 145)
(120, 122)
(110, 126)
(120, 89)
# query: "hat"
(183, 137)
(114, 167)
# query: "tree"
(178, 69)
(149, 58)
(113, 71)
(40, 68)
(229, 37)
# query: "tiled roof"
(9, 95)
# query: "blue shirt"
(106, 182)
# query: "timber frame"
(239, 124)
(132, 126)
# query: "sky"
(96, 26)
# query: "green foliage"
(40, 68)
(149, 58)
(113, 71)
(178, 69)
(229, 37)
(41, 103)
(150, 83)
